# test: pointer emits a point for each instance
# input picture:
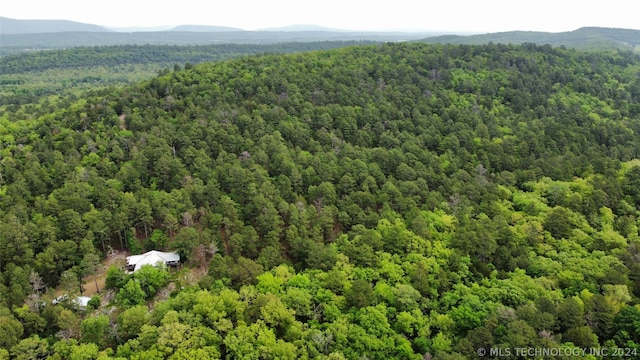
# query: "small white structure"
(135, 262)
(82, 301)
(60, 299)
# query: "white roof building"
(82, 301)
(153, 257)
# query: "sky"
(477, 16)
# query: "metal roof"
(152, 257)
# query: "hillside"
(10, 26)
(28, 77)
(588, 38)
(395, 201)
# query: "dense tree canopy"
(387, 201)
(27, 77)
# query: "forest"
(29, 76)
(386, 201)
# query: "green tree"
(581, 336)
(360, 294)
(244, 271)
(115, 278)
(151, 279)
(30, 348)
(186, 241)
(255, 341)
(131, 294)
(599, 314)
(70, 283)
(95, 330)
(631, 183)
(559, 223)
(11, 328)
(627, 325)
(571, 314)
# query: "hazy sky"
(441, 15)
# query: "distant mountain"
(15, 26)
(586, 38)
(303, 27)
(18, 35)
(204, 28)
(15, 43)
(139, 28)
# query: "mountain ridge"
(28, 26)
(581, 38)
(304, 27)
(204, 28)
(19, 35)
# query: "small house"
(82, 302)
(154, 258)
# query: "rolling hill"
(18, 35)
(15, 43)
(10, 26)
(204, 28)
(587, 38)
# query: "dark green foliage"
(131, 294)
(360, 295)
(558, 223)
(581, 336)
(11, 329)
(151, 279)
(115, 278)
(627, 325)
(94, 303)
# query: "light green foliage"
(257, 341)
(275, 312)
(299, 300)
(268, 282)
(131, 321)
(95, 330)
(374, 320)
(30, 348)
(441, 343)
(406, 297)
(398, 239)
(617, 295)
